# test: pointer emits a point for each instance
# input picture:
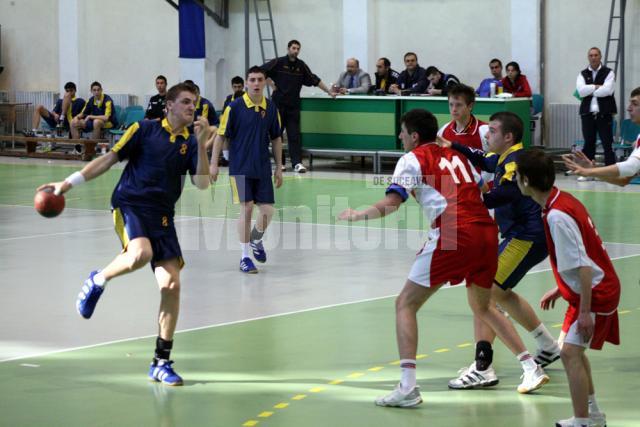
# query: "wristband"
(75, 179)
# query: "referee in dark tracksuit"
(289, 74)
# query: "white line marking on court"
(63, 233)
(29, 365)
(237, 322)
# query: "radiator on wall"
(563, 124)
(24, 115)
(124, 99)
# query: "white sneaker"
(585, 178)
(547, 357)
(533, 379)
(283, 167)
(300, 168)
(596, 419)
(399, 399)
(470, 377)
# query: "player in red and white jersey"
(620, 173)
(585, 277)
(462, 245)
(464, 128)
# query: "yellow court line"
(316, 389)
(421, 356)
(376, 368)
(395, 362)
(281, 405)
(335, 382)
(250, 423)
(464, 344)
(355, 375)
(299, 397)
(557, 325)
(441, 350)
(624, 312)
(265, 414)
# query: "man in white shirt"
(595, 85)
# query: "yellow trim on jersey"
(126, 137)
(198, 102)
(279, 121)
(234, 190)
(121, 231)
(222, 127)
(205, 111)
(172, 136)
(107, 110)
(511, 149)
(510, 258)
(249, 103)
(509, 172)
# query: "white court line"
(236, 322)
(63, 233)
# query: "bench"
(30, 143)
(338, 152)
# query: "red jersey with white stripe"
(473, 135)
(444, 183)
(573, 242)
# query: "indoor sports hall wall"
(124, 43)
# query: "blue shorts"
(88, 125)
(131, 223)
(258, 190)
(516, 257)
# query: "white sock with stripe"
(245, 249)
(408, 378)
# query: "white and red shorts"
(470, 255)
(606, 328)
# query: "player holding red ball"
(159, 154)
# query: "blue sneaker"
(247, 266)
(88, 296)
(163, 372)
(258, 251)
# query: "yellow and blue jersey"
(205, 108)
(77, 104)
(101, 107)
(517, 215)
(158, 159)
(250, 128)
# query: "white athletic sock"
(225, 154)
(408, 378)
(245, 249)
(526, 361)
(593, 405)
(543, 338)
(99, 280)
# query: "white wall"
(29, 45)
(125, 44)
(572, 28)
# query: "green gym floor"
(309, 341)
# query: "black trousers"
(290, 118)
(602, 124)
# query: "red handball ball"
(48, 204)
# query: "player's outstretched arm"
(579, 164)
(383, 207)
(92, 170)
